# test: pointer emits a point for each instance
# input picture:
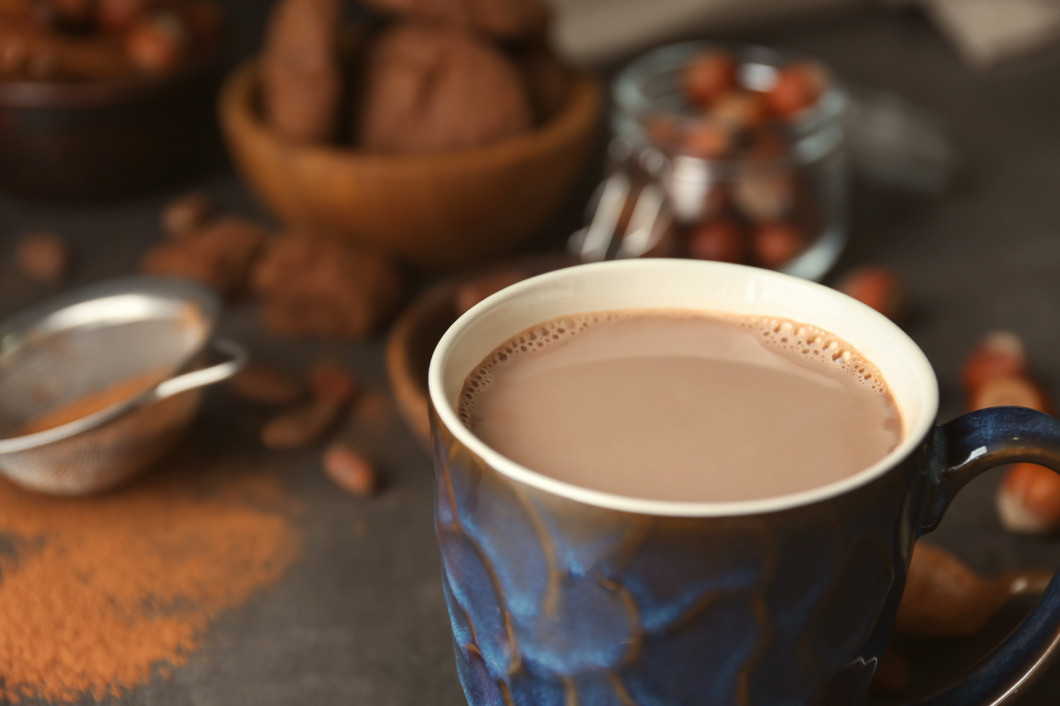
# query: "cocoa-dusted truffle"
(301, 70)
(318, 285)
(219, 254)
(502, 19)
(432, 89)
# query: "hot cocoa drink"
(682, 405)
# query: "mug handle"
(960, 451)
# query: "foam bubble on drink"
(534, 339)
(810, 342)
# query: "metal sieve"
(131, 353)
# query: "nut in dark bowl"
(109, 103)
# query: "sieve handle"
(236, 359)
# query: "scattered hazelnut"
(265, 385)
(878, 287)
(717, 239)
(302, 425)
(707, 76)
(186, 213)
(1028, 500)
(998, 354)
(944, 598)
(43, 256)
(776, 244)
(1008, 392)
(350, 470)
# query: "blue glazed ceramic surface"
(781, 608)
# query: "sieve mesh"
(144, 333)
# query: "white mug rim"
(915, 432)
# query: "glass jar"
(748, 175)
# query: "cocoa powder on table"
(100, 595)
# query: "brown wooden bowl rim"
(581, 110)
(409, 388)
(37, 95)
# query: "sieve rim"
(171, 289)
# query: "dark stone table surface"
(359, 618)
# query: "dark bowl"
(108, 138)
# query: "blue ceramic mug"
(561, 595)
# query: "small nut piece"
(798, 86)
(877, 287)
(350, 470)
(776, 244)
(998, 354)
(302, 425)
(330, 381)
(43, 256)
(1028, 501)
(265, 385)
(186, 214)
(220, 255)
(945, 598)
(1009, 392)
(333, 391)
(717, 239)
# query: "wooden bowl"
(108, 138)
(438, 211)
(421, 325)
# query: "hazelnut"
(1028, 500)
(717, 239)
(798, 86)
(118, 15)
(877, 287)
(43, 256)
(302, 425)
(706, 139)
(739, 110)
(186, 213)
(708, 75)
(1014, 391)
(763, 194)
(998, 354)
(775, 244)
(350, 470)
(156, 44)
(331, 381)
(265, 385)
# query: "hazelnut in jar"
(748, 137)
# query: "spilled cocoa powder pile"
(100, 595)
